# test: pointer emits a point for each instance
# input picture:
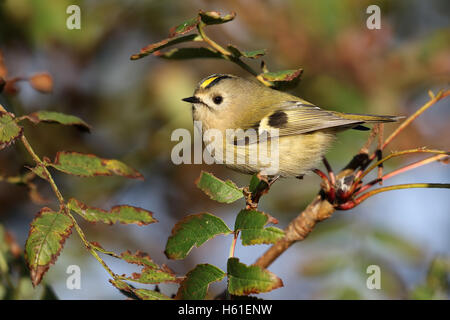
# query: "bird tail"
(370, 118)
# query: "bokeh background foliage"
(135, 105)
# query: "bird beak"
(192, 99)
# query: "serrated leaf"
(195, 284)
(124, 214)
(139, 258)
(57, 117)
(48, 233)
(218, 190)
(246, 54)
(145, 294)
(89, 165)
(189, 53)
(185, 27)
(244, 280)
(150, 275)
(9, 129)
(193, 230)
(214, 17)
(163, 44)
(251, 224)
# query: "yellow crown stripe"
(205, 83)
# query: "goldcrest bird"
(301, 131)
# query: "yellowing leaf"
(89, 165)
(193, 230)
(48, 233)
(124, 214)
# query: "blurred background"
(134, 106)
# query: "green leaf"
(218, 190)
(189, 53)
(185, 27)
(246, 54)
(56, 117)
(244, 280)
(251, 224)
(89, 165)
(150, 275)
(9, 129)
(124, 214)
(48, 233)
(195, 285)
(193, 230)
(151, 48)
(214, 17)
(145, 294)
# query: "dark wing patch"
(278, 119)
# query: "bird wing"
(298, 117)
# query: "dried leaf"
(214, 17)
(41, 82)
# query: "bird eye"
(218, 99)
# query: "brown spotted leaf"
(139, 258)
(46, 238)
(9, 129)
(123, 213)
(89, 165)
